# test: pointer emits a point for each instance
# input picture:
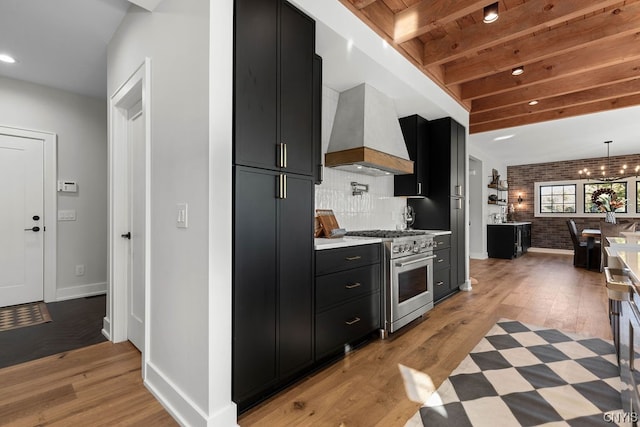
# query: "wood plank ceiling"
(579, 56)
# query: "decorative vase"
(610, 217)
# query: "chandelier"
(603, 174)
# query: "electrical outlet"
(80, 270)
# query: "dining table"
(591, 234)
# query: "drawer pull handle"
(353, 258)
(351, 322)
(439, 283)
(440, 260)
(353, 285)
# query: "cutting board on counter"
(328, 224)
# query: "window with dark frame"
(619, 188)
(558, 198)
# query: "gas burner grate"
(385, 234)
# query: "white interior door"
(21, 220)
(136, 185)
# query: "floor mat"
(20, 316)
(522, 375)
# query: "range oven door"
(411, 288)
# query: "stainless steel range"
(408, 275)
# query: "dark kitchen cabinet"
(508, 241)
(444, 208)
(273, 281)
(348, 300)
(273, 94)
(442, 284)
(276, 118)
(317, 119)
(415, 133)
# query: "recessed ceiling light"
(7, 58)
(518, 70)
(534, 102)
(490, 13)
(502, 138)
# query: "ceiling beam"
(429, 14)
(579, 35)
(616, 90)
(615, 73)
(516, 22)
(359, 4)
(595, 107)
(575, 62)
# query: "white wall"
(80, 123)
(185, 362)
(484, 176)
(377, 209)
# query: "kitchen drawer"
(332, 260)
(442, 259)
(336, 288)
(441, 283)
(346, 323)
(442, 241)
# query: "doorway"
(129, 214)
(28, 224)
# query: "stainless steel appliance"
(407, 275)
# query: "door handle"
(353, 285)
(351, 322)
(34, 229)
(353, 258)
(127, 235)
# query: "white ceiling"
(62, 44)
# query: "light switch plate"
(67, 215)
(182, 215)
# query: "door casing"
(134, 89)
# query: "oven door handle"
(415, 261)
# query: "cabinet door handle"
(440, 260)
(285, 155)
(353, 285)
(285, 186)
(353, 258)
(281, 155)
(351, 322)
(419, 188)
(282, 186)
(458, 190)
(439, 283)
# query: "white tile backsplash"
(376, 209)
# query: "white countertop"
(631, 259)
(513, 223)
(343, 242)
(435, 232)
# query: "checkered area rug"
(20, 316)
(521, 375)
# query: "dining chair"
(580, 249)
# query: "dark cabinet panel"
(256, 90)
(415, 133)
(273, 121)
(297, 48)
(441, 283)
(341, 325)
(295, 319)
(255, 287)
(329, 261)
(508, 240)
(336, 288)
(317, 119)
(445, 206)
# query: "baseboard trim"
(551, 251)
(181, 407)
(478, 255)
(106, 328)
(81, 291)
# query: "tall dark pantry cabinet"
(274, 166)
(443, 208)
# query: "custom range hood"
(366, 136)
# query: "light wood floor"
(101, 384)
(366, 388)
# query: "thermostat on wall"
(68, 186)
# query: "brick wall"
(553, 232)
